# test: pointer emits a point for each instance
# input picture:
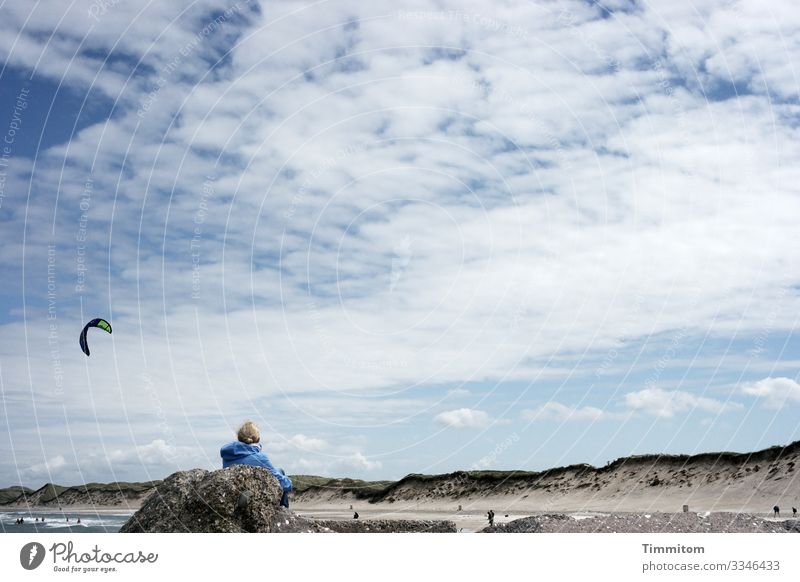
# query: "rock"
(792, 525)
(658, 523)
(531, 524)
(240, 498)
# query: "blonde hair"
(248, 433)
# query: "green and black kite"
(101, 323)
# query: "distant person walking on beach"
(777, 511)
(794, 512)
(490, 515)
(247, 451)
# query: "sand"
(472, 516)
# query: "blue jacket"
(237, 453)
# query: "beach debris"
(722, 522)
(387, 526)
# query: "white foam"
(55, 525)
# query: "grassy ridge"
(52, 492)
(135, 487)
(9, 494)
(360, 489)
(374, 491)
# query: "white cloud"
(305, 443)
(457, 393)
(156, 453)
(665, 404)
(336, 465)
(47, 469)
(464, 418)
(358, 461)
(776, 392)
(305, 454)
(298, 443)
(562, 412)
(650, 401)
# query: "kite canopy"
(101, 323)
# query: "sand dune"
(734, 482)
(746, 482)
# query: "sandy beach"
(471, 518)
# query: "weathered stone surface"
(792, 525)
(237, 499)
(722, 522)
(388, 526)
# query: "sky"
(416, 236)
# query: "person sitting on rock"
(247, 451)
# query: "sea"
(62, 522)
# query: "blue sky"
(403, 238)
